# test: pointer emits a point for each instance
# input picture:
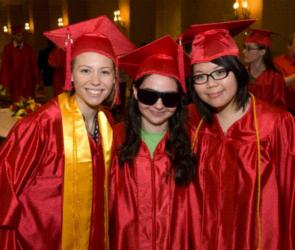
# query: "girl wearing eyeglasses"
(244, 195)
(154, 157)
(266, 82)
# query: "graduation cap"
(16, 29)
(212, 40)
(99, 35)
(259, 36)
(161, 56)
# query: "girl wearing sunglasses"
(244, 196)
(266, 82)
(154, 156)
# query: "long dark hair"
(267, 58)
(178, 147)
(241, 98)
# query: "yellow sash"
(77, 190)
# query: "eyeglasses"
(218, 74)
(150, 97)
(249, 48)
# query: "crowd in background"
(25, 73)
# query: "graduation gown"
(19, 71)
(142, 202)
(31, 184)
(223, 200)
(270, 87)
(287, 66)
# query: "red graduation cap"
(99, 35)
(161, 56)
(212, 40)
(16, 29)
(259, 36)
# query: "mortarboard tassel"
(117, 100)
(68, 44)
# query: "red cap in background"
(258, 36)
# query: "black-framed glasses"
(150, 97)
(218, 74)
(249, 48)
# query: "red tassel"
(68, 84)
(181, 66)
(117, 100)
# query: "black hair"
(267, 58)
(233, 64)
(178, 147)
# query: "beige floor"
(6, 121)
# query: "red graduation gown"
(142, 201)
(19, 71)
(224, 197)
(287, 66)
(31, 184)
(270, 87)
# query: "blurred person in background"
(266, 82)
(19, 71)
(286, 64)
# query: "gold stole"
(77, 189)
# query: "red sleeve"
(19, 155)
(284, 141)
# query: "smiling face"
(219, 94)
(93, 75)
(155, 117)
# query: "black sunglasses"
(150, 97)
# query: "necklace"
(92, 128)
(95, 134)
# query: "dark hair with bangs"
(178, 147)
(241, 98)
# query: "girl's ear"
(262, 52)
